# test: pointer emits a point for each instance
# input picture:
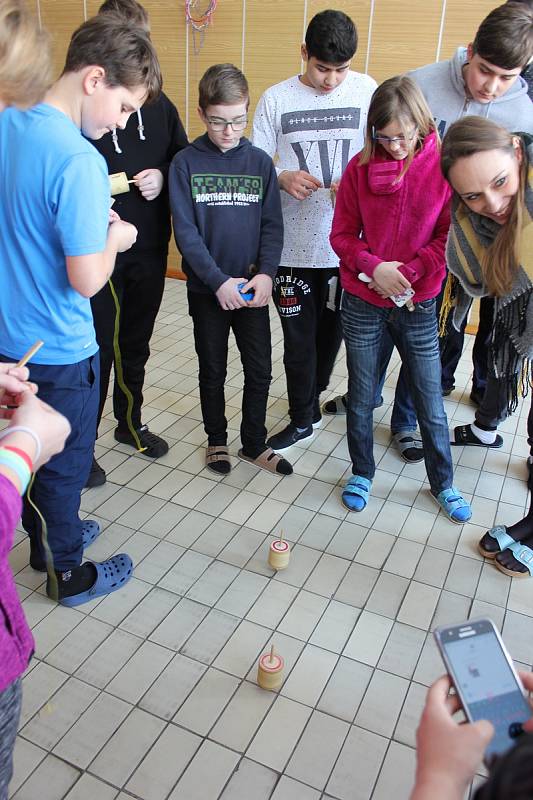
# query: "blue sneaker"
(454, 505)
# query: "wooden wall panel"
(461, 23)
(271, 58)
(61, 17)
(404, 35)
(222, 43)
(359, 12)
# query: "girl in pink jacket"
(389, 230)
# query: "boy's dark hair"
(505, 37)
(128, 11)
(124, 51)
(331, 37)
(222, 84)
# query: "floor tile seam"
(296, 745)
(27, 779)
(168, 724)
(62, 640)
(299, 739)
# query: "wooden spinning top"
(279, 554)
(270, 671)
(119, 183)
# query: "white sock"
(487, 437)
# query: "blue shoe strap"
(358, 485)
(452, 499)
(523, 554)
(502, 537)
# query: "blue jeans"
(414, 333)
(403, 417)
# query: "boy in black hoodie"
(228, 226)
(125, 309)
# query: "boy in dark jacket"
(227, 219)
(129, 303)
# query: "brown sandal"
(269, 461)
(217, 459)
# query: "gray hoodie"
(443, 87)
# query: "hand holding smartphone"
(485, 679)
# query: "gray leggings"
(10, 702)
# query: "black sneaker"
(289, 436)
(447, 390)
(97, 476)
(151, 445)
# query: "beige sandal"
(217, 459)
(269, 461)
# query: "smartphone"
(401, 299)
(485, 679)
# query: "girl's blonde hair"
(25, 67)
(398, 100)
(472, 135)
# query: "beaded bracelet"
(17, 465)
(23, 429)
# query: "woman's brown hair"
(464, 138)
(25, 69)
(397, 99)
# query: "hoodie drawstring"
(115, 141)
(140, 126)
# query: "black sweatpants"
(251, 328)
(307, 300)
(129, 302)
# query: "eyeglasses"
(394, 139)
(218, 124)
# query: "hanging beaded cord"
(199, 23)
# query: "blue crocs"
(90, 530)
(356, 493)
(454, 505)
(111, 575)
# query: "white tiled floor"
(150, 693)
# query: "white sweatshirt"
(303, 129)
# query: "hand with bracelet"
(35, 432)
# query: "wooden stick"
(132, 181)
(31, 352)
(281, 536)
(271, 654)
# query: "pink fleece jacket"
(16, 641)
(377, 219)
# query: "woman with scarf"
(490, 253)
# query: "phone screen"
(485, 680)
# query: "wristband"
(24, 429)
(17, 465)
(21, 453)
